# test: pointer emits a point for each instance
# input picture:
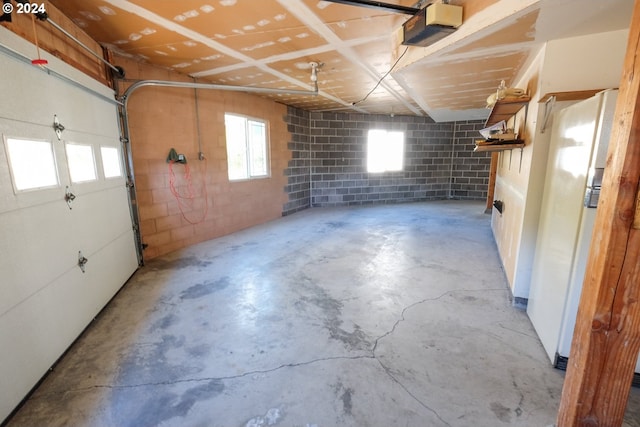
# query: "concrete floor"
(376, 316)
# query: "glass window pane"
(385, 151)
(257, 148)
(110, 162)
(32, 164)
(82, 166)
(375, 157)
(247, 147)
(236, 147)
(395, 151)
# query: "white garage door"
(46, 298)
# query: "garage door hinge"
(57, 127)
(82, 261)
(69, 197)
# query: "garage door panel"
(52, 330)
(40, 96)
(39, 259)
(96, 142)
(34, 342)
(28, 131)
(34, 104)
(47, 300)
(84, 228)
(99, 215)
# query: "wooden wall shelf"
(506, 108)
(576, 95)
(499, 147)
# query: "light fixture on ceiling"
(314, 73)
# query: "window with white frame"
(247, 147)
(82, 164)
(110, 162)
(32, 163)
(385, 150)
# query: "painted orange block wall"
(165, 118)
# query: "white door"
(561, 218)
(46, 297)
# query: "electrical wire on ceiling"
(382, 78)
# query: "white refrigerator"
(577, 157)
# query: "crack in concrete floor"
(372, 356)
(374, 313)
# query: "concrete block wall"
(469, 170)
(164, 118)
(298, 174)
(338, 160)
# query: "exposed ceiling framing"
(270, 43)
